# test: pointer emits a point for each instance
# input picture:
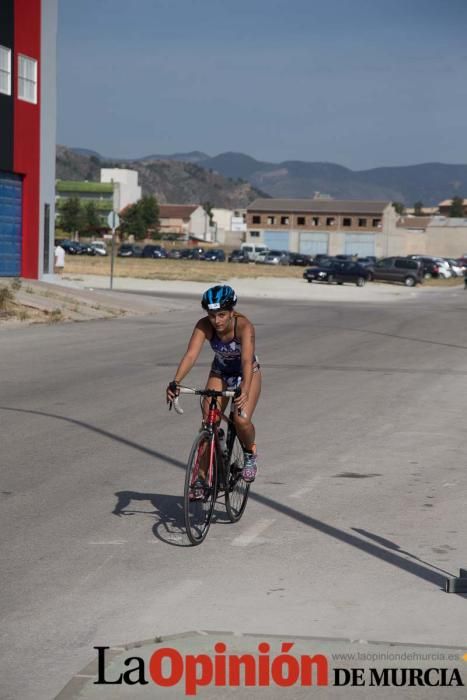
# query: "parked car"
(341, 271)
(320, 273)
(99, 247)
(319, 257)
(195, 253)
(86, 249)
(154, 251)
(214, 255)
(261, 257)
(71, 247)
(253, 250)
(368, 260)
(431, 267)
(129, 250)
(456, 269)
(299, 259)
(276, 257)
(238, 256)
(175, 253)
(406, 270)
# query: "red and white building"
(28, 31)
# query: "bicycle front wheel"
(198, 510)
(236, 490)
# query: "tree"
(418, 208)
(71, 215)
(207, 206)
(149, 209)
(456, 210)
(91, 217)
(131, 222)
(399, 207)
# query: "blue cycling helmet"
(219, 298)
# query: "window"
(27, 79)
(284, 220)
(256, 219)
(346, 221)
(377, 223)
(362, 222)
(330, 221)
(271, 220)
(315, 220)
(300, 221)
(254, 234)
(5, 70)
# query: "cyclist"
(235, 365)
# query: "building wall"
(26, 147)
(128, 191)
(27, 130)
(380, 227)
(447, 241)
(48, 134)
(199, 224)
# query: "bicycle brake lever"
(177, 406)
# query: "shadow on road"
(390, 555)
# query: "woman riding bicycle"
(235, 365)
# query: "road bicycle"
(223, 463)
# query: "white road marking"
(252, 533)
(306, 488)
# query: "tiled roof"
(320, 206)
(176, 211)
(420, 222)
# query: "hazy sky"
(363, 83)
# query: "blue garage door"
(10, 225)
(359, 244)
(314, 243)
(276, 240)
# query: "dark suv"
(405, 270)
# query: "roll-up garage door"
(359, 244)
(276, 240)
(10, 225)
(314, 243)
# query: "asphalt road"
(357, 516)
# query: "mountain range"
(429, 183)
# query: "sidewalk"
(263, 287)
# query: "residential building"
(28, 32)
(185, 220)
(319, 225)
(229, 226)
(127, 190)
(444, 207)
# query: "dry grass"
(166, 269)
(452, 282)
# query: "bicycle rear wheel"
(236, 489)
(198, 513)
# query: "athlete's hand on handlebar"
(172, 392)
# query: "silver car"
(276, 257)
